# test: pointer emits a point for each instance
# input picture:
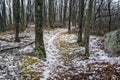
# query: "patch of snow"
(69, 38)
(52, 54)
(96, 55)
(27, 49)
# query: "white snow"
(27, 49)
(97, 55)
(52, 54)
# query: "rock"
(112, 42)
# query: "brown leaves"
(109, 71)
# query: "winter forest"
(59, 39)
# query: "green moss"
(27, 64)
(31, 74)
(28, 61)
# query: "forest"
(59, 39)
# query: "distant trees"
(16, 13)
(2, 15)
(105, 15)
(39, 44)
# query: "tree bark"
(51, 15)
(70, 15)
(39, 44)
(87, 27)
(65, 10)
(81, 14)
(109, 11)
(22, 16)
(16, 13)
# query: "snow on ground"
(65, 60)
(51, 50)
(74, 66)
(52, 53)
(97, 54)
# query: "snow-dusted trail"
(52, 54)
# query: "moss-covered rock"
(112, 42)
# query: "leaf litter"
(65, 60)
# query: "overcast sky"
(115, 0)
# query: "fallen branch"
(13, 40)
(5, 40)
(16, 47)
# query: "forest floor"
(65, 60)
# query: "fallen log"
(6, 40)
(16, 47)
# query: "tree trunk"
(109, 11)
(61, 10)
(70, 15)
(4, 15)
(22, 16)
(73, 13)
(29, 12)
(39, 44)
(44, 12)
(65, 10)
(1, 24)
(16, 12)
(10, 18)
(51, 15)
(81, 14)
(87, 27)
